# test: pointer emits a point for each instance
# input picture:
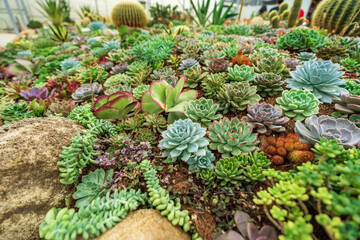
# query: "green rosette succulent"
(268, 84)
(229, 171)
(301, 39)
(200, 163)
(272, 64)
(194, 76)
(298, 104)
(306, 56)
(140, 90)
(202, 111)
(161, 72)
(232, 137)
(213, 83)
(241, 73)
(237, 96)
(183, 139)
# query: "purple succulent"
(36, 93)
(120, 68)
(292, 63)
(265, 118)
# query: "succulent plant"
(120, 87)
(112, 45)
(119, 68)
(241, 73)
(210, 54)
(350, 65)
(237, 96)
(298, 104)
(118, 79)
(16, 112)
(322, 78)
(240, 59)
(333, 50)
(161, 72)
(96, 26)
(96, 74)
(155, 121)
(217, 65)
(194, 76)
(188, 63)
(232, 137)
(191, 51)
(145, 135)
(129, 13)
(172, 80)
(213, 83)
(272, 64)
(116, 106)
(291, 63)
(355, 118)
(83, 93)
(344, 131)
(106, 65)
(140, 90)
(68, 64)
(352, 86)
(201, 163)
(182, 139)
(229, 171)
(347, 104)
(36, 93)
(243, 30)
(262, 52)
(99, 52)
(202, 111)
(301, 39)
(134, 123)
(63, 107)
(268, 84)
(306, 56)
(265, 118)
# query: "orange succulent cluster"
(289, 148)
(240, 59)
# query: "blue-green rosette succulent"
(182, 139)
(200, 163)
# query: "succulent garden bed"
(233, 131)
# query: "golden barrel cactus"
(129, 13)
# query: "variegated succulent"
(202, 111)
(265, 118)
(268, 84)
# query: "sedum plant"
(301, 39)
(345, 132)
(182, 139)
(213, 83)
(298, 104)
(265, 118)
(202, 111)
(237, 96)
(194, 76)
(352, 86)
(322, 78)
(268, 84)
(232, 137)
(241, 73)
(116, 106)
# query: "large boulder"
(29, 174)
(145, 224)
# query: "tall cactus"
(294, 13)
(129, 13)
(284, 6)
(336, 15)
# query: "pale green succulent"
(268, 84)
(232, 137)
(202, 111)
(140, 90)
(272, 64)
(241, 73)
(213, 83)
(194, 76)
(298, 104)
(118, 79)
(237, 96)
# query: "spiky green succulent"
(352, 86)
(350, 65)
(237, 96)
(194, 76)
(161, 72)
(16, 112)
(241, 73)
(213, 84)
(182, 139)
(140, 90)
(155, 121)
(322, 78)
(298, 104)
(232, 137)
(145, 135)
(188, 63)
(229, 171)
(202, 111)
(268, 84)
(306, 56)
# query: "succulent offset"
(344, 131)
(265, 118)
(182, 139)
(237, 96)
(232, 137)
(201, 163)
(202, 111)
(322, 78)
(298, 104)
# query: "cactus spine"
(335, 16)
(129, 13)
(294, 13)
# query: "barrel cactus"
(336, 15)
(129, 13)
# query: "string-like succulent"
(182, 139)
(298, 104)
(232, 137)
(202, 111)
(91, 220)
(194, 76)
(265, 118)
(237, 96)
(241, 73)
(268, 84)
(213, 83)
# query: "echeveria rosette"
(200, 163)
(265, 118)
(344, 131)
(162, 71)
(116, 106)
(268, 84)
(241, 73)
(322, 78)
(232, 137)
(202, 111)
(347, 104)
(83, 93)
(229, 171)
(183, 139)
(37, 94)
(298, 104)
(217, 65)
(188, 63)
